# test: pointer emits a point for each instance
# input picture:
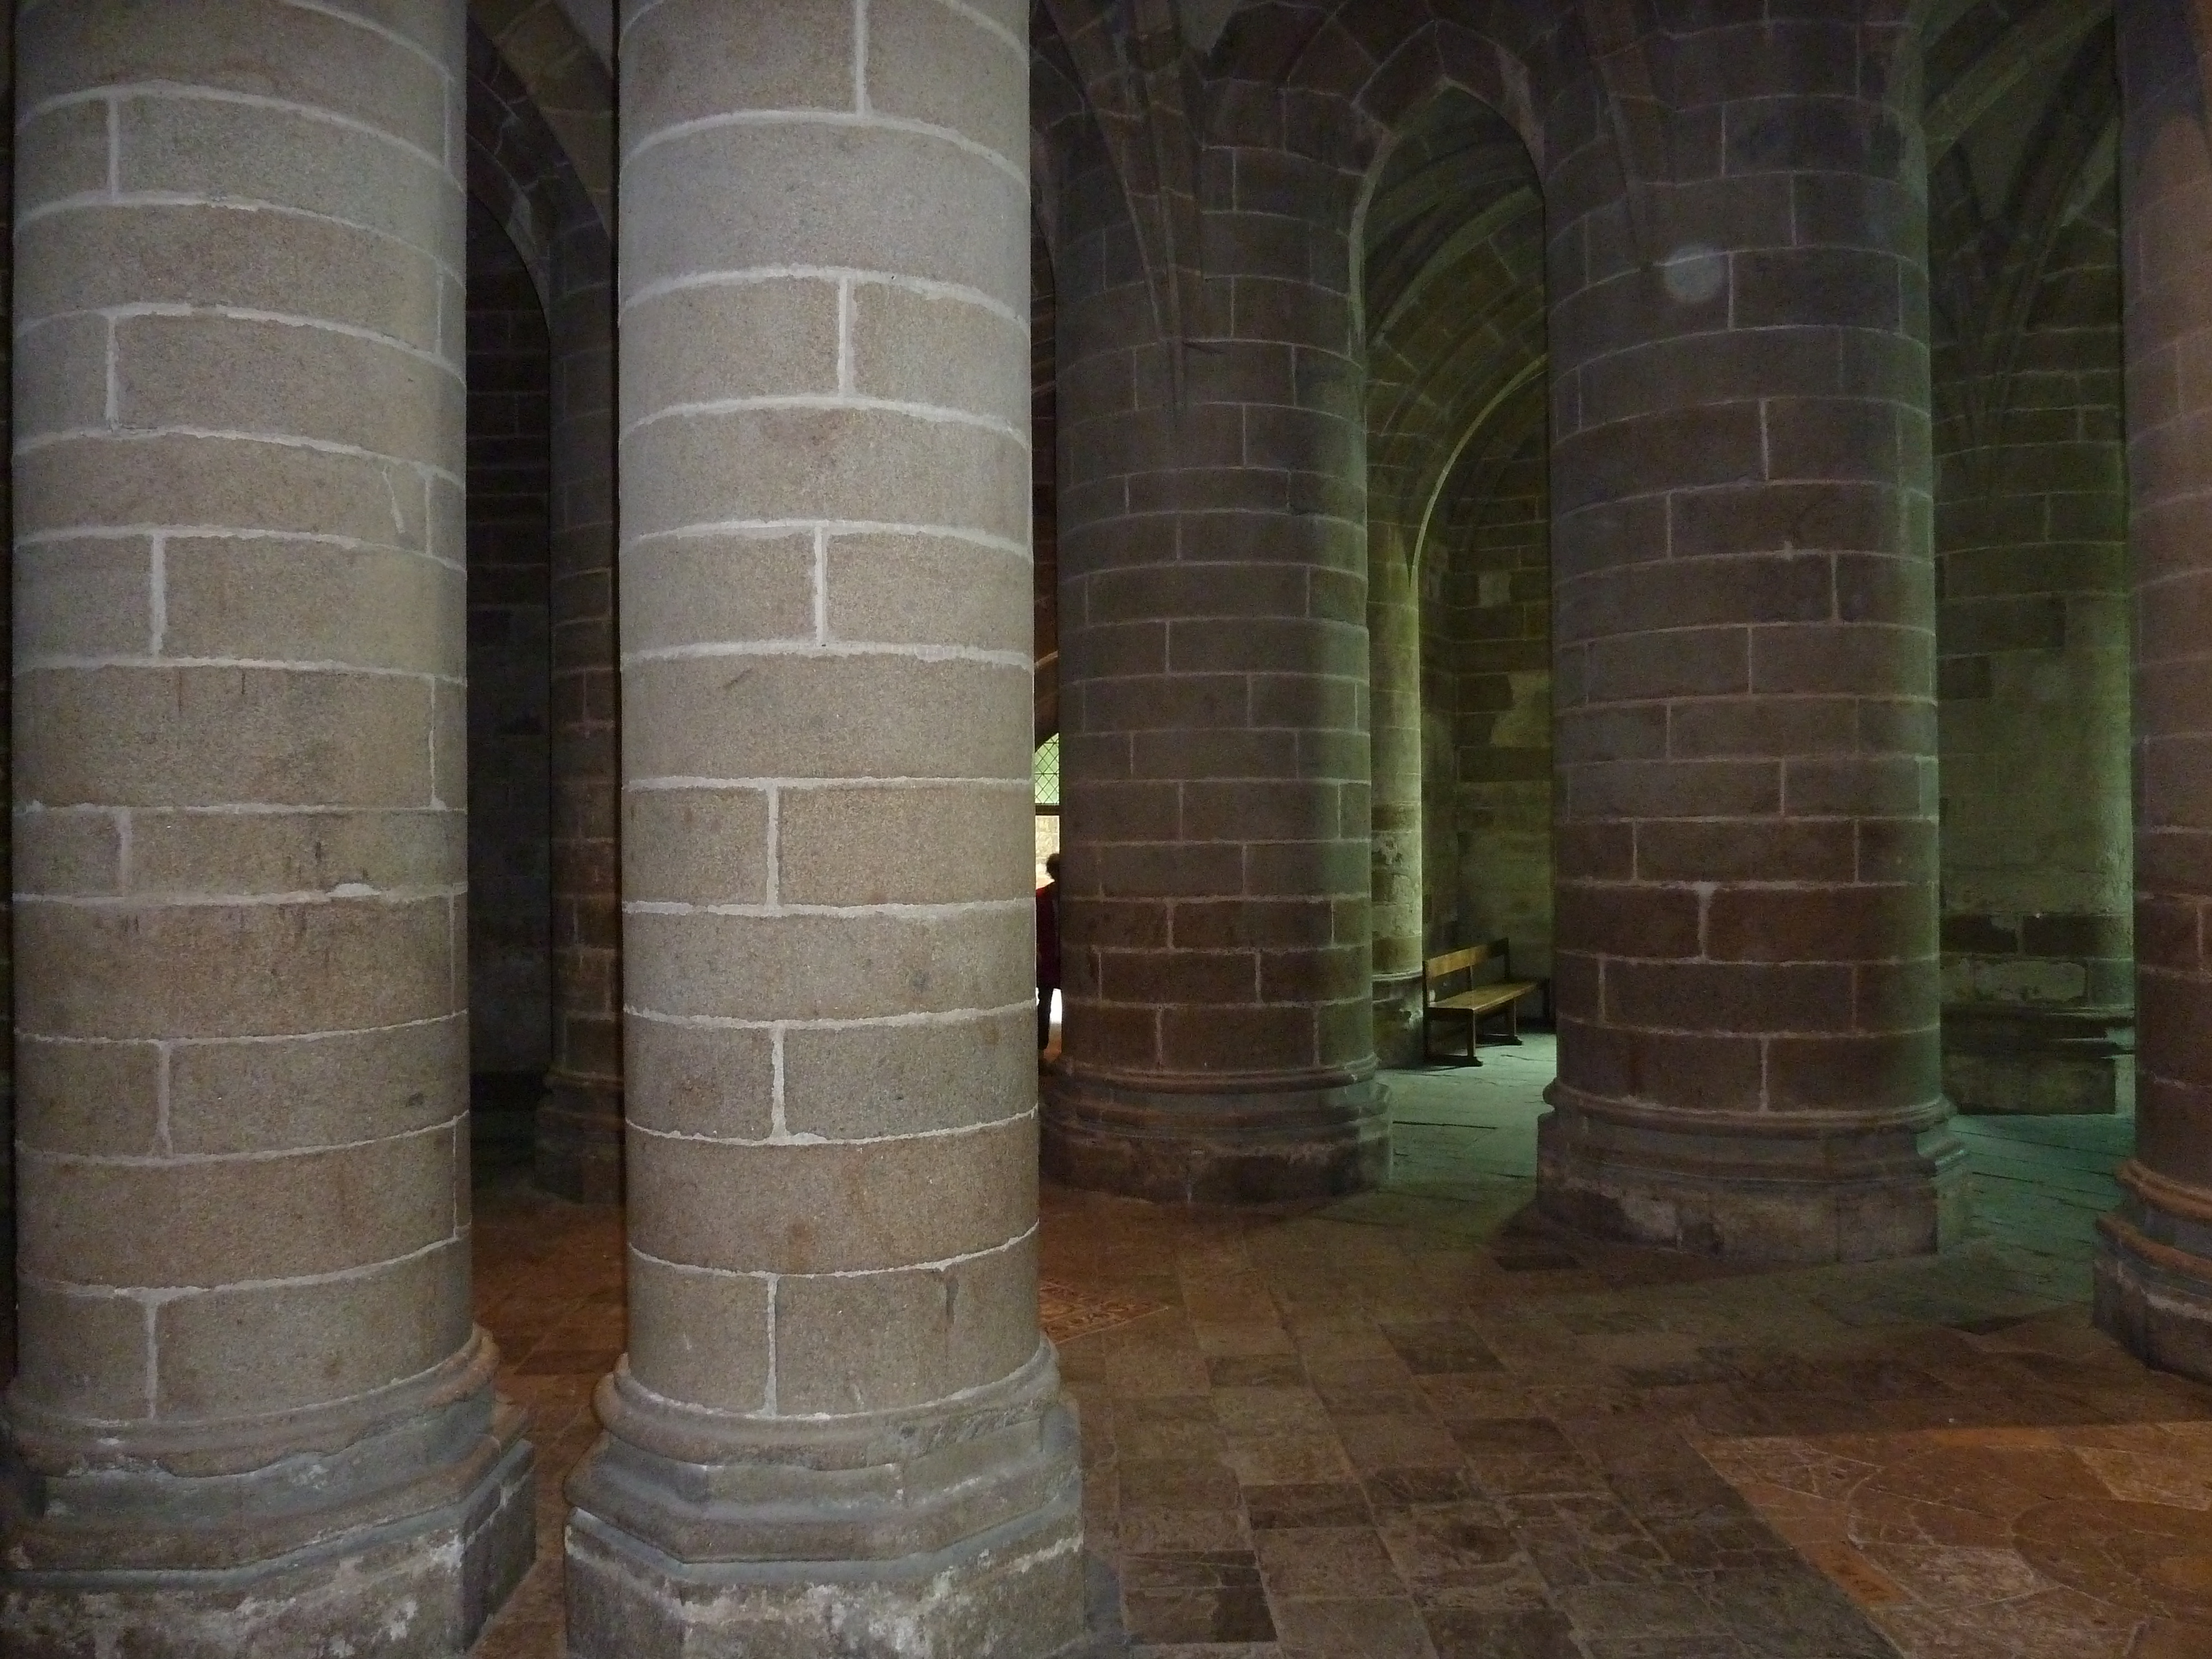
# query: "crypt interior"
(571, 560)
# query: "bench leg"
(1428, 1046)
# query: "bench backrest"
(1454, 963)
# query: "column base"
(2034, 1060)
(1745, 1188)
(1398, 1030)
(1225, 1140)
(1007, 1595)
(950, 1532)
(579, 1154)
(2153, 1273)
(291, 1559)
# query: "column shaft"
(1215, 890)
(256, 1415)
(7, 691)
(2155, 1263)
(1745, 977)
(1394, 636)
(837, 1425)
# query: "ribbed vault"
(1454, 295)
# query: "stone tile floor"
(1419, 1424)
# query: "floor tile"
(1423, 1424)
(1375, 1629)
(1313, 1563)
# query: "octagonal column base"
(1748, 1187)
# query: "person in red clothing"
(1047, 926)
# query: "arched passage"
(2031, 518)
(510, 369)
(536, 179)
(1453, 299)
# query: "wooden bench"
(1479, 1000)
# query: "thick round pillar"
(580, 1123)
(253, 1413)
(2155, 1263)
(1745, 977)
(1394, 636)
(7, 923)
(837, 1426)
(1215, 833)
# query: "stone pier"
(1215, 897)
(253, 1415)
(837, 1426)
(2155, 1268)
(1745, 629)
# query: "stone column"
(252, 1415)
(580, 1125)
(1745, 977)
(2154, 1263)
(7, 923)
(837, 1426)
(1215, 883)
(1394, 636)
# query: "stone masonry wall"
(1489, 698)
(2032, 642)
(1044, 483)
(509, 477)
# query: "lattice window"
(1045, 768)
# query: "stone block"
(264, 598)
(61, 152)
(673, 1308)
(706, 58)
(335, 1209)
(265, 1348)
(787, 716)
(730, 197)
(102, 479)
(855, 1082)
(826, 463)
(263, 1096)
(813, 966)
(225, 374)
(717, 589)
(895, 1203)
(386, 84)
(1230, 1145)
(959, 74)
(112, 972)
(873, 1342)
(695, 846)
(766, 339)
